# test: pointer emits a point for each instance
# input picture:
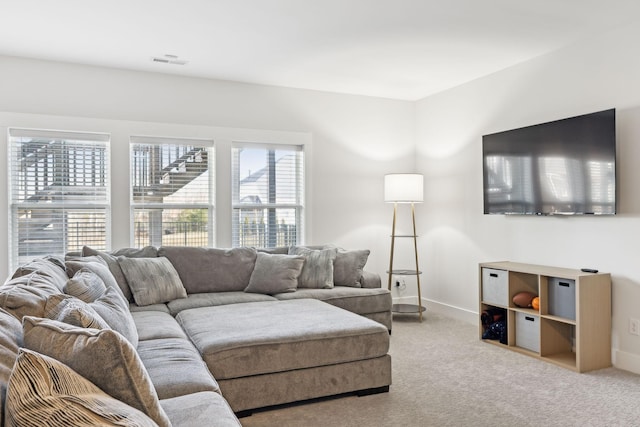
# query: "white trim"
(626, 361)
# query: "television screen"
(564, 167)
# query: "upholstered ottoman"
(274, 352)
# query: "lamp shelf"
(407, 308)
(404, 272)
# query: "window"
(268, 183)
(171, 192)
(59, 192)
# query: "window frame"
(67, 204)
(300, 151)
(210, 146)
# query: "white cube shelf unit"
(571, 328)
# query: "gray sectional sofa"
(188, 336)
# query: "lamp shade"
(404, 188)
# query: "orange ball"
(535, 303)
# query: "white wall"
(593, 75)
(355, 139)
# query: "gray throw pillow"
(85, 285)
(317, 272)
(114, 268)
(45, 392)
(98, 266)
(348, 267)
(275, 273)
(10, 342)
(73, 311)
(115, 311)
(121, 375)
(152, 280)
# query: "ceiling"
(401, 49)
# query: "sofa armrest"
(370, 280)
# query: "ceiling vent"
(169, 59)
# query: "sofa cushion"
(144, 252)
(85, 285)
(270, 337)
(317, 271)
(274, 274)
(355, 300)
(27, 295)
(153, 325)
(44, 392)
(209, 299)
(348, 267)
(10, 342)
(103, 357)
(133, 307)
(50, 266)
(175, 367)
(211, 269)
(152, 280)
(73, 311)
(115, 311)
(200, 409)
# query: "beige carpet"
(444, 376)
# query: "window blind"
(171, 191)
(267, 194)
(59, 192)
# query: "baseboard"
(626, 361)
(444, 309)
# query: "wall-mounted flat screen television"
(564, 167)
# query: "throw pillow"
(114, 268)
(348, 267)
(317, 272)
(85, 285)
(152, 280)
(121, 373)
(45, 392)
(98, 266)
(10, 342)
(115, 311)
(73, 311)
(275, 273)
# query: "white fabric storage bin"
(562, 297)
(495, 286)
(528, 331)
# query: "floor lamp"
(405, 188)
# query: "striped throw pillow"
(85, 285)
(45, 392)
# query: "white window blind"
(59, 192)
(171, 191)
(268, 194)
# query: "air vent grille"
(169, 59)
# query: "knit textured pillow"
(44, 392)
(85, 285)
(73, 311)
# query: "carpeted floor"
(443, 375)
